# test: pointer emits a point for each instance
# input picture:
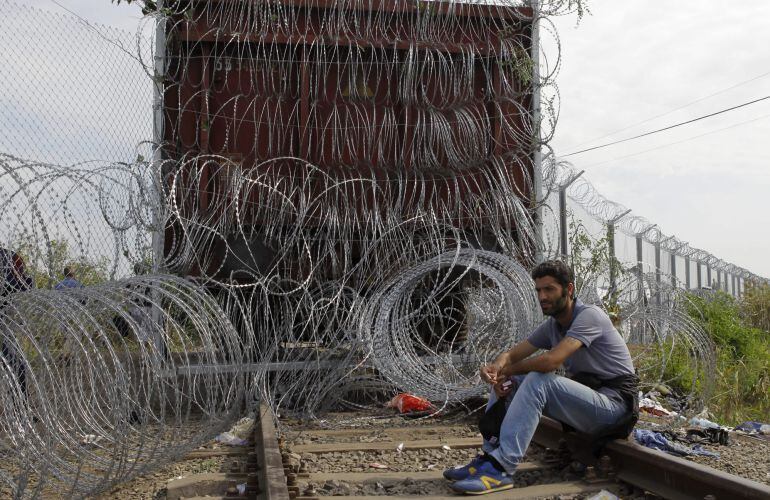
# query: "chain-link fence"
(75, 115)
(73, 91)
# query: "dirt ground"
(745, 456)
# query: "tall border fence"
(639, 245)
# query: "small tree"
(590, 258)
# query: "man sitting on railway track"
(598, 397)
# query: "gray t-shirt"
(604, 352)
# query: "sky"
(633, 60)
(627, 62)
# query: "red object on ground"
(655, 411)
(407, 403)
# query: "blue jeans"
(554, 396)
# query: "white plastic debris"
(377, 465)
(239, 434)
(400, 447)
(241, 488)
(90, 439)
(243, 427)
(652, 406)
(603, 495)
(230, 440)
(446, 447)
(702, 422)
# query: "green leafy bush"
(743, 358)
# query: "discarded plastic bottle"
(702, 422)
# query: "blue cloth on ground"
(750, 427)
(658, 441)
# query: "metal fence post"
(674, 254)
(708, 274)
(658, 270)
(640, 258)
(563, 224)
(611, 247)
(687, 272)
(159, 75)
(537, 154)
(700, 274)
(639, 264)
(673, 269)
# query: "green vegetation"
(45, 264)
(667, 361)
(591, 258)
(756, 306)
(743, 353)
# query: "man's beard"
(558, 306)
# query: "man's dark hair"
(557, 269)
(68, 272)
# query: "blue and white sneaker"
(486, 479)
(461, 472)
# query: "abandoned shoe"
(460, 472)
(486, 479)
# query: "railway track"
(403, 459)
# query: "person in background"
(69, 280)
(13, 279)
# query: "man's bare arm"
(546, 362)
(491, 372)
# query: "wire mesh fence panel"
(75, 119)
(73, 91)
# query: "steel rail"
(665, 475)
(272, 478)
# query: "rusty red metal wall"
(253, 96)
